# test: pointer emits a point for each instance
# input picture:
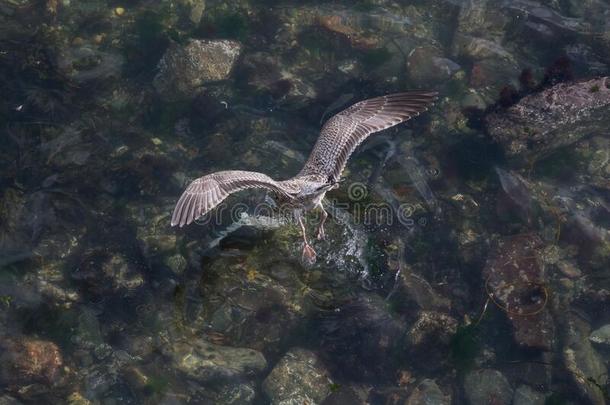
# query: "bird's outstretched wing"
(345, 131)
(206, 192)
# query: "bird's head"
(331, 184)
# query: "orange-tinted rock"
(339, 25)
(26, 360)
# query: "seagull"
(338, 139)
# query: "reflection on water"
(467, 256)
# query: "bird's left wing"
(345, 131)
(206, 192)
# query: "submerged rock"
(432, 326)
(103, 273)
(583, 362)
(184, 69)
(8, 400)
(298, 378)
(363, 337)
(555, 117)
(515, 279)
(24, 360)
(428, 339)
(284, 83)
(428, 393)
(601, 336)
(204, 361)
(234, 394)
(412, 290)
(350, 394)
(524, 395)
(487, 386)
(428, 66)
(87, 63)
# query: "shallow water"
(463, 263)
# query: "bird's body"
(338, 139)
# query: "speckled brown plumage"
(342, 134)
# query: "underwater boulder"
(204, 361)
(28, 360)
(298, 378)
(427, 65)
(525, 395)
(515, 279)
(555, 117)
(584, 364)
(183, 69)
(428, 392)
(487, 386)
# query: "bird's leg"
(321, 234)
(309, 255)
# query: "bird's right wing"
(206, 192)
(345, 131)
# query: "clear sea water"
(452, 272)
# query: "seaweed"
(464, 347)
(226, 25)
(233, 26)
(151, 40)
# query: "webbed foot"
(308, 258)
(321, 234)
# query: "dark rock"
(427, 392)
(493, 73)
(533, 12)
(298, 378)
(432, 327)
(582, 361)
(487, 386)
(428, 339)
(235, 394)
(8, 400)
(87, 63)
(558, 116)
(480, 18)
(104, 273)
(350, 394)
(524, 395)
(284, 83)
(248, 307)
(412, 290)
(362, 337)
(515, 279)
(428, 66)
(184, 69)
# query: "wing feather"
(205, 193)
(342, 134)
